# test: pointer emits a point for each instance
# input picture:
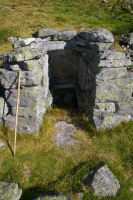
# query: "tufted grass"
(42, 167)
(23, 18)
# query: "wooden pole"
(16, 120)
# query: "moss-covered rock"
(102, 181)
(9, 191)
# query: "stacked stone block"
(102, 79)
(34, 92)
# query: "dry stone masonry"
(66, 67)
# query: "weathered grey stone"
(21, 54)
(9, 191)
(80, 45)
(30, 116)
(40, 40)
(49, 100)
(65, 35)
(28, 97)
(112, 55)
(104, 74)
(108, 107)
(125, 108)
(3, 108)
(45, 33)
(102, 181)
(97, 35)
(102, 120)
(64, 132)
(101, 75)
(30, 65)
(9, 79)
(25, 125)
(22, 42)
(52, 45)
(52, 197)
(115, 90)
(27, 112)
(115, 63)
(12, 67)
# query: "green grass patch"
(41, 167)
(4, 34)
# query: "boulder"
(97, 35)
(9, 191)
(102, 181)
(63, 134)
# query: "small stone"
(64, 132)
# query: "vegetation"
(23, 18)
(42, 167)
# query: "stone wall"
(82, 65)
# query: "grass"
(23, 18)
(42, 167)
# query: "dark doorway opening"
(63, 68)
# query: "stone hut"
(66, 67)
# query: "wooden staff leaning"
(16, 119)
